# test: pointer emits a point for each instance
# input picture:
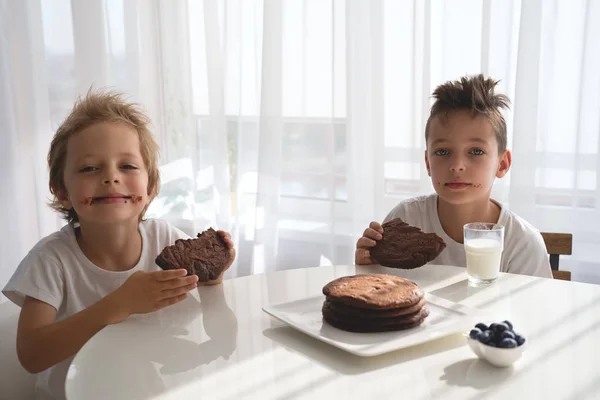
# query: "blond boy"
(99, 268)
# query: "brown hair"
(96, 107)
(475, 94)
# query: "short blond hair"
(475, 94)
(96, 107)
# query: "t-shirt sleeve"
(531, 258)
(37, 276)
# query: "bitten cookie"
(405, 246)
(206, 256)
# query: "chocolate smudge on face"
(136, 199)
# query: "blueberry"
(509, 324)
(482, 326)
(499, 327)
(507, 335)
(474, 333)
(494, 336)
(507, 343)
(485, 337)
(519, 339)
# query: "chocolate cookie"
(405, 246)
(206, 256)
(375, 291)
(346, 311)
(384, 325)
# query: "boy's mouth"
(112, 199)
(457, 185)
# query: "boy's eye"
(477, 152)
(129, 166)
(441, 152)
(88, 169)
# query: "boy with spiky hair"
(465, 152)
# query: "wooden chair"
(557, 244)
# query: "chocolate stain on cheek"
(136, 199)
(87, 201)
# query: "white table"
(219, 344)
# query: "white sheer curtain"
(294, 123)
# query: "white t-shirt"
(57, 272)
(524, 249)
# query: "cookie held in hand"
(405, 246)
(206, 256)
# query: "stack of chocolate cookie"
(374, 303)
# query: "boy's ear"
(504, 164)
(152, 193)
(427, 164)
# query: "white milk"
(483, 258)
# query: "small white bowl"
(494, 355)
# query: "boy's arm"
(42, 342)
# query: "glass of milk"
(483, 248)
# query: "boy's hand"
(227, 239)
(144, 292)
(362, 255)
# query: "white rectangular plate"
(445, 318)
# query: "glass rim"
(492, 227)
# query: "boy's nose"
(111, 175)
(457, 165)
